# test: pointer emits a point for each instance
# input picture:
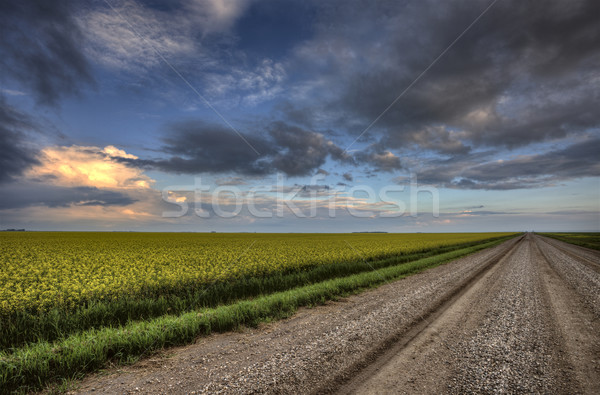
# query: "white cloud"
(217, 15)
(12, 92)
(128, 35)
(247, 87)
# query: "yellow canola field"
(42, 270)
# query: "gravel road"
(520, 317)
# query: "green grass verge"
(25, 327)
(36, 365)
(588, 240)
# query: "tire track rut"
(524, 327)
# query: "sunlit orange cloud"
(88, 166)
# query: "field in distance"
(588, 240)
(71, 301)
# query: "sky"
(300, 116)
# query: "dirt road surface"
(521, 317)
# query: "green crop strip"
(588, 240)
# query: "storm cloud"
(28, 194)
(41, 47)
(526, 171)
(196, 147)
(15, 154)
(524, 73)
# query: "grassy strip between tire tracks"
(36, 365)
(25, 327)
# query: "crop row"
(588, 240)
(41, 271)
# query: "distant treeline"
(375, 231)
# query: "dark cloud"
(323, 172)
(15, 154)
(528, 171)
(22, 195)
(575, 161)
(525, 72)
(41, 47)
(293, 113)
(440, 140)
(379, 158)
(231, 181)
(300, 151)
(197, 147)
(348, 177)
(442, 172)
